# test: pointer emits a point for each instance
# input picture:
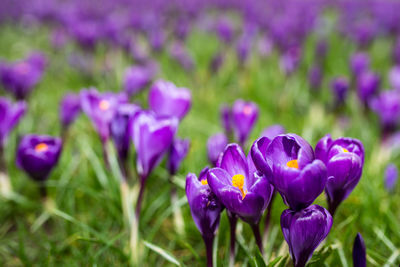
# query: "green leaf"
(258, 261)
(166, 255)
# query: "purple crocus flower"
(70, 107)
(289, 164)
(367, 86)
(391, 175)
(178, 52)
(215, 147)
(273, 130)
(315, 77)
(204, 207)
(177, 152)
(10, 115)
(321, 50)
(216, 62)
(290, 60)
(136, 78)
(165, 99)
(340, 88)
(225, 30)
(100, 108)
(226, 119)
(359, 252)
(396, 52)
(38, 154)
(238, 185)
(359, 63)
(394, 77)
(387, 106)
(244, 117)
(344, 160)
(304, 230)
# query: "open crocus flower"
(38, 154)
(304, 230)
(289, 164)
(244, 117)
(10, 114)
(177, 153)
(70, 107)
(215, 146)
(238, 185)
(204, 207)
(100, 108)
(344, 159)
(165, 99)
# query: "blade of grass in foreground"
(166, 255)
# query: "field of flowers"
(199, 133)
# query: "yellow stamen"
(238, 181)
(344, 150)
(104, 105)
(204, 182)
(293, 164)
(41, 147)
(247, 109)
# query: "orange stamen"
(238, 181)
(41, 147)
(293, 164)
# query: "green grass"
(89, 228)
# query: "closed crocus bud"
(120, 130)
(394, 77)
(344, 160)
(273, 130)
(244, 117)
(387, 106)
(289, 164)
(165, 99)
(226, 119)
(238, 185)
(70, 107)
(100, 108)
(177, 152)
(136, 78)
(38, 154)
(315, 77)
(359, 252)
(216, 62)
(304, 231)
(215, 146)
(152, 137)
(359, 63)
(10, 114)
(225, 30)
(367, 86)
(391, 175)
(340, 88)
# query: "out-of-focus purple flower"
(321, 50)
(243, 48)
(367, 86)
(225, 30)
(70, 107)
(315, 77)
(290, 60)
(359, 63)
(273, 130)
(58, 38)
(177, 152)
(304, 231)
(157, 39)
(38, 154)
(216, 62)
(244, 117)
(265, 46)
(340, 88)
(120, 130)
(226, 119)
(344, 160)
(136, 78)
(100, 108)
(289, 164)
(387, 106)
(204, 206)
(396, 52)
(391, 175)
(179, 53)
(239, 186)
(215, 146)
(152, 137)
(359, 252)
(165, 99)
(394, 77)
(10, 115)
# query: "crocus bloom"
(177, 152)
(226, 119)
(225, 30)
(136, 78)
(152, 137)
(100, 108)
(289, 164)
(38, 154)
(396, 52)
(244, 117)
(273, 130)
(70, 107)
(391, 175)
(216, 62)
(359, 63)
(120, 130)
(344, 159)
(367, 86)
(165, 99)
(340, 88)
(290, 60)
(315, 77)
(304, 230)
(238, 185)
(394, 77)
(179, 53)
(10, 115)
(387, 106)
(215, 146)
(359, 252)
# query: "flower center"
(247, 110)
(23, 68)
(344, 150)
(204, 182)
(293, 164)
(41, 147)
(238, 181)
(104, 105)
